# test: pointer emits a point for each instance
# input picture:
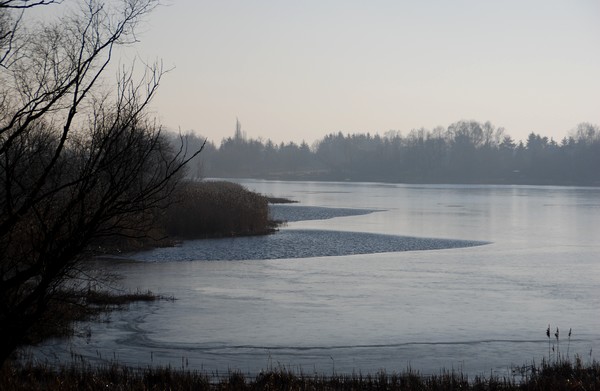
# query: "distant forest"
(466, 152)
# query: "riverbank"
(476, 310)
(199, 210)
(205, 209)
(561, 375)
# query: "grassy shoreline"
(206, 209)
(199, 210)
(560, 375)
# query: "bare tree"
(78, 161)
(24, 4)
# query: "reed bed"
(562, 375)
(217, 209)
(197, 210)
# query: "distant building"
(239, 135)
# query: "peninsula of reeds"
(199, 210)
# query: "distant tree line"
(464, 152)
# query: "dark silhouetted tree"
(79, 162)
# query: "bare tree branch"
(25, 4)
(76, 164)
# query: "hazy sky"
(294, 71)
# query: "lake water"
(367, 277)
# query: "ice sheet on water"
(296, 244)
(286, 212)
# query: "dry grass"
(207, 209)
(217, 209)
(67, 307)
(565, 375)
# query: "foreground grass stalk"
(563, 375)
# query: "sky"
(298, 70)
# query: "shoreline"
(561, 374)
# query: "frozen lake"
(380, 276)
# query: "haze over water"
(480, 309)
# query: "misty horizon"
(464, 152)
(240, 132)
